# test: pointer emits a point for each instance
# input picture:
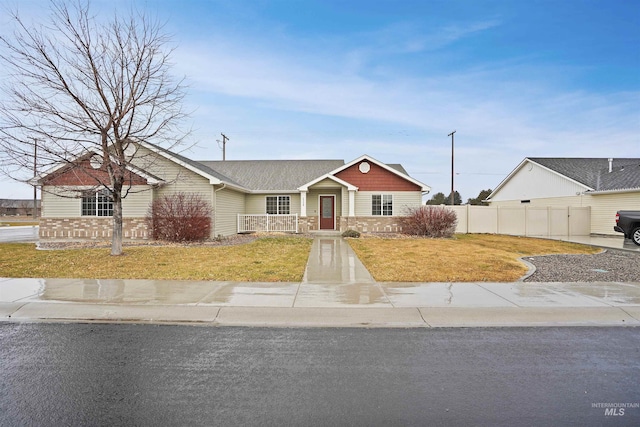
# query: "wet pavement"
(56, 374)
(21, 233)
(337, 290)
(611, 242)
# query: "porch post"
(352, 203)
(303, 203)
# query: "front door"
(327, 212)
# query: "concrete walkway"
(337, 290)
(607, 242)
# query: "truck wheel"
(635, 235)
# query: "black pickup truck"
(628, 222)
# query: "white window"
(97, 204)
(278, 205)
(382, 204)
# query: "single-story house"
(605, 185)
(250, 195)
(22, 207)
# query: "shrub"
(430, 221)
(180, 217)
(351, 233)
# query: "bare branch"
(78, 84)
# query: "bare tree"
(78, 84)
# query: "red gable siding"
(377, 179)
(84, 174)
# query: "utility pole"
(452, 171)
(224, 143)
(35, 172)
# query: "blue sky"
(338, 79)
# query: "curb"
(314, 317)
(530, 271)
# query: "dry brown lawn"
(464, 258)
(264, 260)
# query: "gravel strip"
(608, 266)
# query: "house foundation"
(92, 228)
(363, 224)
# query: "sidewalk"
(337, 290)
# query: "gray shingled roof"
(594, 173)
(265, 175)
(272, 175)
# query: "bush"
(430, 221)
(180, 217)
(351, 233)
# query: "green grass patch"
(272, 259)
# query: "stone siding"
(92, 228)
(307, 223)
(372, 224)
(95, 228)
(368, 224)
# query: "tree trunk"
(116, 239)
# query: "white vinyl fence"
(253, 223)
(534, 221)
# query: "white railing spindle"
(281, 223)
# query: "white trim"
(521, 165)
(331, 177)
(623, 190)
(212, 179)
(562, 176)
(150, 179)
(277, 203)
(352, 203)
(303, 203)
(382, 204)
(266, 222)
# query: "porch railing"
(253, 223)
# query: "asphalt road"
(19, 234)
(92, 374)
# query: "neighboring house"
(18, 207)
(604, 185)
(291, 195)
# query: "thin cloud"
(519, 107)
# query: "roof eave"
(330, 176)
(37, 180)
(520, 166)
(619, 190)
(212, 179)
